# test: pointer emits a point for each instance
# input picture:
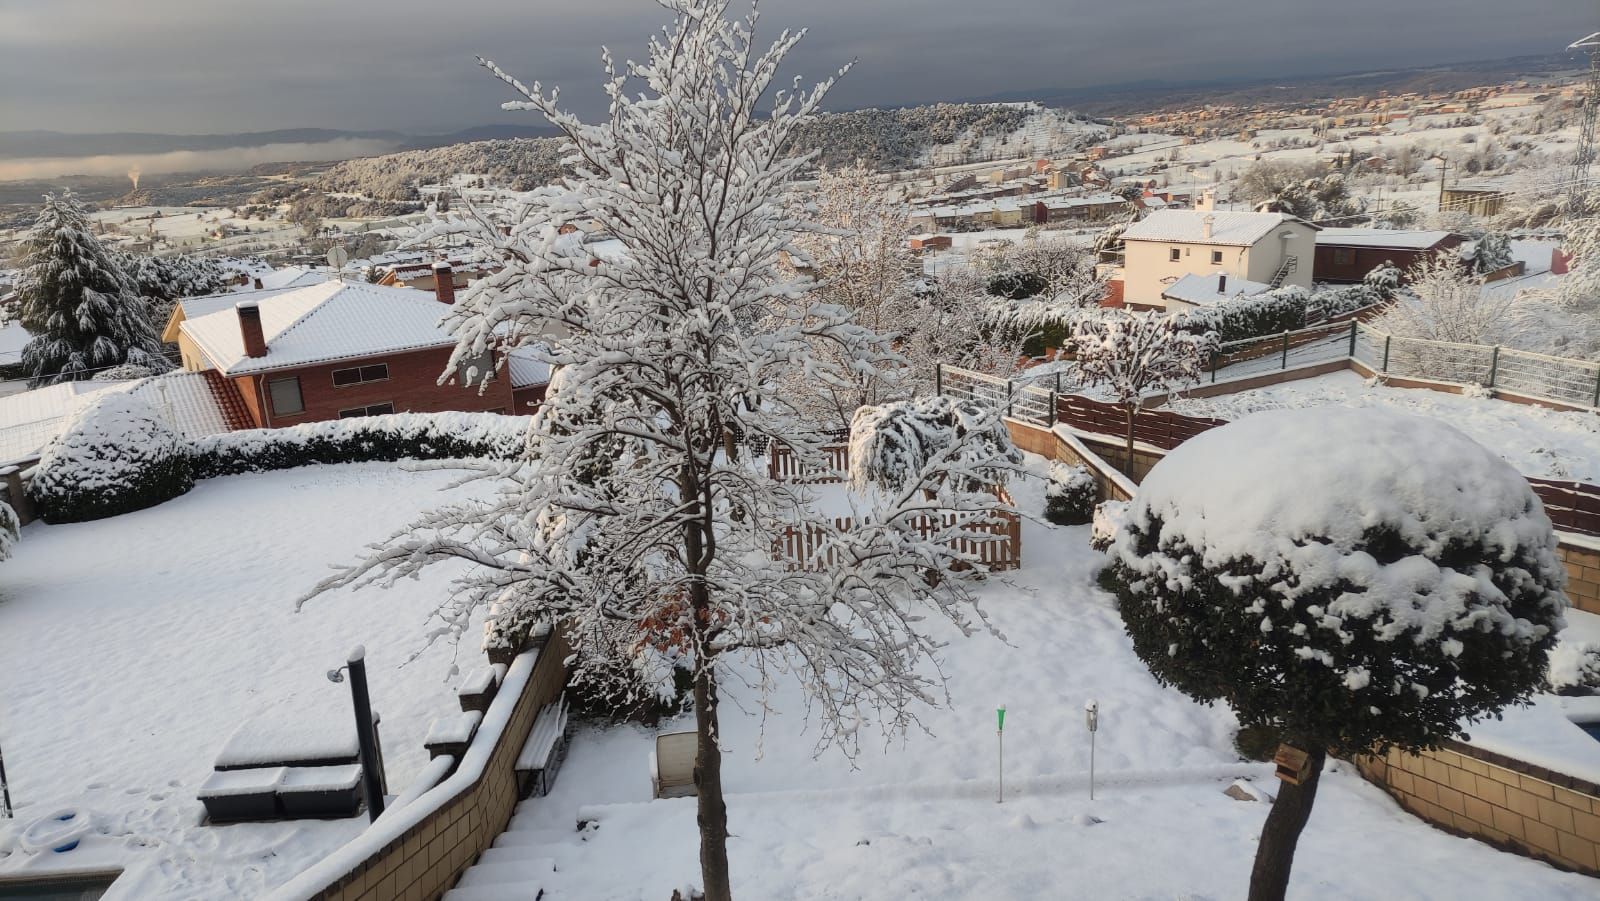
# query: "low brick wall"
(1046, 443)
(422, 862)
(1507, 803)
(1583, 575)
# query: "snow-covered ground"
(1537, 441)
(132, 647)
(918, 818)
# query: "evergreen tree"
(83, 311)
(161, 281)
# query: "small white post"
(1091, 712)
(1000, 737)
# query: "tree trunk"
(1132, 412)
(1269, 878)
(713, 811)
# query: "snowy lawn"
(132, 647)
(918, 819)
(1539, 442)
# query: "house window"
(360, 375)
(1216, 256)
(369, 410)
(476, 370)
(1343, 256)
(1173, 255)
(285, 394)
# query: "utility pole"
(1586, 122)
(1444, 166)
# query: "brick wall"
(1037, 440)
(412, 387)
(1504, 802)
(426, 860)
(1583, 576)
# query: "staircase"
(1284, 271)
(518, 866)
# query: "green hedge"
(399, 436)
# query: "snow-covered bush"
(1108, 517)
(115, 456)
(1070, 496)
(398, 436)
(10, 530)
(1359, 578)
(892, 444)
(1575, 668)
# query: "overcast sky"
(195, 66)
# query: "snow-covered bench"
(672, 764)
(236, 795)
(282, 792)
(542, 754)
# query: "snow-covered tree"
(84, 312)
(161, 281)
(1448, 302)
(1491, 253)
(1351, 580)
(1134, 354)
(894, 443)
(627, 525)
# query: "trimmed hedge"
(117, 455)
(1070, 495)
(397, 436)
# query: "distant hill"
(33, 144)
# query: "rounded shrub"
(116, 455)
(1070, 495)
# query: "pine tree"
(82, 309)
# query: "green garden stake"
(1000, 736)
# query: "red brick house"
(1346, 255)
(345, 349)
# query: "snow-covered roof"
(1382, 238)
(321, 324)
(289, 277)
(30, 419)
(527, 369)
(1203, 289)
(1189, 227)
(13, 338)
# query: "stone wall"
(424, 861)
(1583, 575)
(1505, 802)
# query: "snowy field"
(918, 819)
(1537, 441)
(130, 649)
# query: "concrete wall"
(428, 858)
(1504, 802)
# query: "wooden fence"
(1159, 428)
(809, 547)
(1572, 506)
(784, 466)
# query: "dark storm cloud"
(237, 65)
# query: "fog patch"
(230, 159)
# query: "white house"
(1193, 291)
(1273, 249)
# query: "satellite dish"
(338, 256)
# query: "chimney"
(255, 341)
(1559, 262)
(444, 282)
(1222, 282)
(257, 283)
(1206, 222)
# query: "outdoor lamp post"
(5, 791)
(1000, 736)
(1091, 715)
(371, 777)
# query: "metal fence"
(1022, 400)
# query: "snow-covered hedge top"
(1298, 491)
(111, 442)
(391, 436)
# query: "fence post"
(1213, 367)
(1596, 389)
(1385, 367)
(1058, 385)
(1494, 364)
(1050, 416)
(938, 379)
(1009, 389)
(1285, 351)
(1353, 324)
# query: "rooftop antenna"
(1586, 122)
